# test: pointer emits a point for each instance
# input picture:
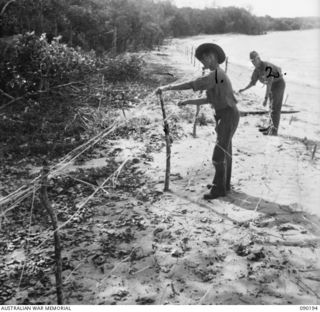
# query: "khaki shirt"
(265, 73)
(219, 89)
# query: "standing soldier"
(271, 75)
(220, 96)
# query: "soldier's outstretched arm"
(180, 86)
(247, 87)
(201, 101)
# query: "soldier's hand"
(265, 102)
(182, 103)
(161, 89)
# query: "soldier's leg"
(222, 154)
(229, 167)
(218, 188)
(276, 105)
(218, 133)
(235, 121)
(219, 158)
(267, 128)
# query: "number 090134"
(308, 308)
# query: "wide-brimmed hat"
(210, 47)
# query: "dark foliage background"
(45, 45)
(121, 25)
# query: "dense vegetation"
(121, 25)
(53, 50)
(44, 86)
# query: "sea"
(296, 52)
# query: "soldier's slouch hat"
(210, 47)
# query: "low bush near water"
(37, 101)
(31, 64)
(122, 68)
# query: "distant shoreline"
(302, 79)
(241, 34)
(300, 62)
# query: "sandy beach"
(257, 245)
(282, 153)
(275, 195)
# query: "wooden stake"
(191, 54)
(314, 151)
(168, 144)
(194, 132)
(54, 221)
(226, 66)
(114, 41)
(102, 92)
(285, 102)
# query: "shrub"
(122, 68)
(31, 64)
(30, 68)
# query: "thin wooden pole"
(314, 151)
(194, 132)
(5, 6)
(54, 221)
(114, 41)
(168, 144)
(245, 113)
(226, 67)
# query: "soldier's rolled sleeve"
(203, 83)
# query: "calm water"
(296, 52)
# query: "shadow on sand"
(275, 213)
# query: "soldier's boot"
(218, 188)
(272, 131)
(263, 129)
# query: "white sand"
(190, 247)
(189, 251)
(190, 244)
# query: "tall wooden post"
(194, 132)
(54, 221)
(114, 41)
(191, 54)
(168, 144)
(226, 65)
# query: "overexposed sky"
(274, 8)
